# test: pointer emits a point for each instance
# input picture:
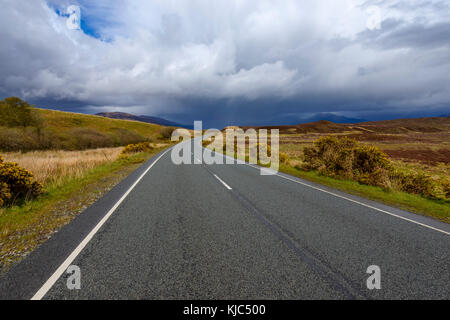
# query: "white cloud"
(167, 51)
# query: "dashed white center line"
(226, 186)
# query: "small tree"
(166, 133)
(15, 112)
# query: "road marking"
(226, 186)
(63, 267)
(360, 203)
(354, 201)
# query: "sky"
(230, 62)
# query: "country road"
(226, 232)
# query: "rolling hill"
(58, 130)
(398, 126)
(146, 119)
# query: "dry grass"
(74, 180)
(438, 171)
(71, 131)
(55, 167)
(421, 154)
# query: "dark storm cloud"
(241, 62)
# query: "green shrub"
(345, 157)
(371, 166)
(5, 194)
(446, 188)
(13, 139)
(15, 112)
(133, 149)
(88, 138)
(125, 137)
(311, 159)
(284, 158)
(136, 148)
(124, 158)
(368, 159)
(331, 155)
(416, 183)
(166, 133)
(17, 183)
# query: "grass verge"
(23, 228)
(437, 209)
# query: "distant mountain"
(294, 119)
(417, 125)
(147, 119)
(331, 117)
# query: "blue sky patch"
(89, 24)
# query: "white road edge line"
(226, 186)
(360, 203)
(63, 267)
(354, 201)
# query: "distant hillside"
(146, 119)
(419, 125)
(49, 129)
(331, 117)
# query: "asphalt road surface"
(197, 231)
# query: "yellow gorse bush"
(416, 183)
(446, 188)
(16, 183)
(345, 157)
(136, 148)
(166, 132)
(284, 158)
(5, 194)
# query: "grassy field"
(414, 146)
(54, 167)
(418, 156)
(426, 153)
(57, 130)
(437, 209)
(54, 164)
(64, 122)
(73, 180)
